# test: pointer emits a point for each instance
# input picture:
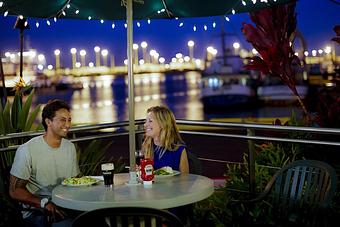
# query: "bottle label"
(148, 170)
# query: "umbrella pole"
(131, 98)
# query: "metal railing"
(248, 132)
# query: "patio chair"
(127, 216)
(195, 166)
(300, 193)
(11, 210)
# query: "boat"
(221, 91)
(68, 82)
(223, 84)
(273, 92)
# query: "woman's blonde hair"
(170, 138)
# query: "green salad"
(86, 180)
(166, 170)
(161, 172)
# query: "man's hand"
(54, 213)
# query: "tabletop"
(164, 193)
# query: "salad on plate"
(79, 181)
(166, 171)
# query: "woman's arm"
(184, 164)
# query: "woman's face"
(151, 126)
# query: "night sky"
(316, 19)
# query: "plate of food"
(80, 181)
(165, 171)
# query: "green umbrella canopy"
(142, 9)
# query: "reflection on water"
(105, 98)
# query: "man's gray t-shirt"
(43, 166)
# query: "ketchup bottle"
(147, 173)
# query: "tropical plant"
(337, 31)
(222, 210)
(91, 157)
(272, 38)
(16, 117)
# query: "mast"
(223, 34)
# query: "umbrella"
(129, 10)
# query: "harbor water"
(104, 99)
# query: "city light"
(97, 50)
(236, 46)
(104, 53)
(57, 58)
(74, 57)
(191, 49)
(82, 57)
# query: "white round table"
(164, 193)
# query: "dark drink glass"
(139, 156)
(107, 171)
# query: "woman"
(163, 142)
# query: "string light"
(21, 17)
(26, 23)
(254, 1)
(181, 24)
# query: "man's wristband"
(43, 202)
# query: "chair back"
(127, 216)
(301, 190)
(195, 166)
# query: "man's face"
(60, 124)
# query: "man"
(42, 163)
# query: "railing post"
(251, 162)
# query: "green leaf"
(31, 118)
(25, 110)
(7, 118)
(16, 109)
(2, 123)
(91, 157)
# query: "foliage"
(16, 117)
(93, 155)
(337, 31)
(221, 209)
(272, 39)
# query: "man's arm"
(18, 191)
